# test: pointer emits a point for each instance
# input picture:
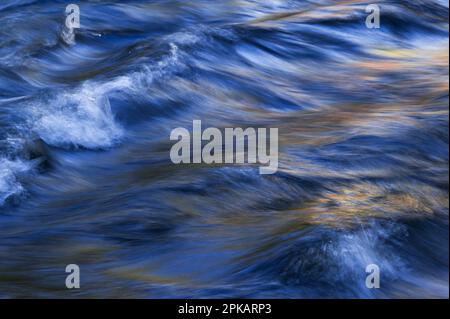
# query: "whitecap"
(9, 185)
(82, 118)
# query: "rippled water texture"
(86, 178)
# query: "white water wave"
(83, 117)
(9, 184)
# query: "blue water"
(86, 178)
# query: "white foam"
(80, 118)
(9, 185)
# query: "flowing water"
(86, 178)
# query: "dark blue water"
(85, 174)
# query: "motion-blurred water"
(86, 178)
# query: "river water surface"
(86, 178)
